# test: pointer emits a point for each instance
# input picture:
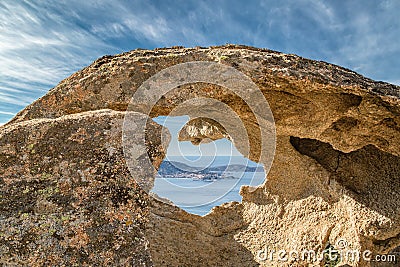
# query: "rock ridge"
(67, 196)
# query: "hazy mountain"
(174, 167)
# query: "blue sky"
(43, 42)
(221, 147)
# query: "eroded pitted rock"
(67, 197)
(202, 130)
(335, 174)
(309, 99)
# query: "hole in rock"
(199, 175)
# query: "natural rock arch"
(333, 127)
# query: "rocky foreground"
(67, 197)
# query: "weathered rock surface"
(68, 198)
(202, 130)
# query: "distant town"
(172, 169)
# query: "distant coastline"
(174, 169)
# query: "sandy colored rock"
(200, 129)
(67, 195)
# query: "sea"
(198, 196)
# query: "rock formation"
(202, 129)
(68, 198)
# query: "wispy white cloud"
(6, 113)
(155, 26)
(155, 30)
(370, 39)
(363, 36)
(42, 42)
(396, 82)
(39, 47)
